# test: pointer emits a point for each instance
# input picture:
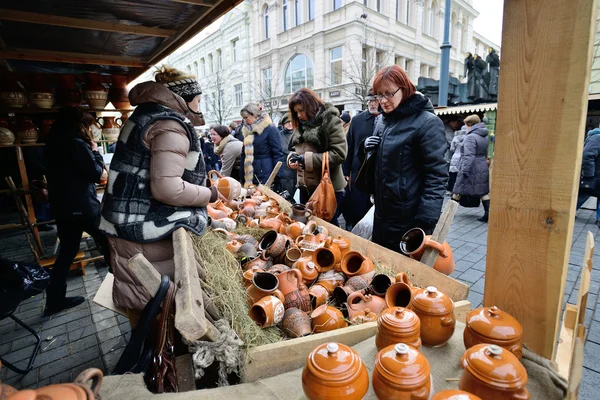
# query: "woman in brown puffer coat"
(156, 182)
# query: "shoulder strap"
(378, 125)
(325, 163)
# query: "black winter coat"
(590, 166)
(410, 172)
(473, 177)
(72, 170)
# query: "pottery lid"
(334, 363)
(454, 395)
(495, 366)
(399, 320)
(432, 301)
(402, 366)
(494, 323)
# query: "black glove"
(372, 143)
(427, 225)
(587, 182)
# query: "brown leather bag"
(322, 203)
(161, 376)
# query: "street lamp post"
(445, 67)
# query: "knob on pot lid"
(334, 362)
(495, 366)
(400, 320)
(431, 301)
(494, 323)
(402, 366)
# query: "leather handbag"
(322, 203)
(365, 178)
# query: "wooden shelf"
(21, 145)
(27, 110)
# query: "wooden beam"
(576, 372)
(440, 232)
(461, 309)
(74, 58)
(541, 121)
(203, 3)
(80, 23)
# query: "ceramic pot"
(263, 284)
(41, 99)
(219, 205)
(227, 186)
(363, 316)
(354, 284)
(277, 269)
(273, 212)
(79, 389)
(300, 213)
(13, 99)
(494, 326)
(111, 127)
(294, 290)
(247, 211)
(94, 92)
(309, 241)
(401, 372)
(292, 255)
(327, 257)
(436, 312)
(318, 295)
(308, 268)
(454, 395)
(296, 323)
(414, 242)
(267, 311)
(294, 230)
(215, 214)
(256, 262)
(6, 137)
(118, 94)
(273, 224)
(273, 244)
(355, 264)
(380, 284)
(28, 132)
(249, 274)
(399, 294)
(233, 246)
(343, 244)
(358, 301)
(67, 92)
(248, 250)
(4, 123)
(398, 325)
(492, 372)
(330, 280)
(334, 371)
(325, 318)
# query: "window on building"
(196, 72)
(365, 52)
(266, 21)
(432, 13)
(335, 63)
(337, 4)
(235, 50)
(285, 13)
(219, 59)
(379, 60)
(408, 11)
(297, 12)
(188, 68)
(378, 6)
(299, 73)
(203, 66)
(423, 20)
(267, 78)
(311, 10)
(210, 64)
(222, 97)
(238, 94)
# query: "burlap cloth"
(544, 383)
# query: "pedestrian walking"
(346, 118)
(590, 172)
(287, 176)
(455, 150)
(228, 148)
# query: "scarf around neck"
(221, 146)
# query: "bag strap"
(378, 123)
(325, 164)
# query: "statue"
(479, 71)
(493, 62)
(469, 74)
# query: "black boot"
(57, 302)
(486, 209)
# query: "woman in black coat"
(473, 177)
(410, 170)
(590, 171)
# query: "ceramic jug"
(300, 213)
(327, 257)
(358, 301)
(414, 242)
(296, 323)
(227, 186)
(355, 264)
(263, 284)
(399, 294)
(354, 284)
(436, 312)
(294, 290)
(266, 312)
(111, 127)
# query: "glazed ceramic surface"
(296, 323)
(494, 326)
(267, 311)
(398, 325)
(436, 313)
(414, 242)
(454, 395)
(41, 99)
(355, 264)
(327, 256)
(326, 318)
(263, 284)
(294, 290)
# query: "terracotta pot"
(359, 301)
(6, 137)
(436, 312)
(256, 262)
(414, 242)
(318, 295)
(78, 390)
(354, 284)
(219, 205)
(454, 395)
(233, 246)
(401, 372)
(294, 229)
(267, 311)
(249, 274)
(118, 94)
(273, 224)
(331, 279)
(309, 242)
(277, 269)
(400, 293)
(111, 127)
(215, 214)
(273, 212)
(365, 315)
(380, 284)
(294, 290)
(398, 325)
(28, 132)
(300, 213)
(355, 264)
(13, 99)
(248, 249)
(94, 92)
(311, 228)
(308, 268)
(325, 318)
(67, 93)
(296, 323)
(492, 372)
(327, 257)
(227, 186)
(334, 371)
(273, 244)
(247, 211)
(292, 255)
(263, 284)
(41, 99)
(343, 244)
(494, 326)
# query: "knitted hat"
(285, 119)
(184, 87)
(345, 117)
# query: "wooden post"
(440, 232)
(28, 201)
(541, 121)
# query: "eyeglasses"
(388, 96)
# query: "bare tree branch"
(218, 104)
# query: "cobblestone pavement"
(91, 336)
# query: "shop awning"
(466, 109)
(103, 36)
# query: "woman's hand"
(94, 146)
(294, 166)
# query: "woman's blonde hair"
(165, 73)
(251, 109)
(472, 120)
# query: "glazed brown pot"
(401, 372)
(294, 290)
(380, 284)
(343, 244)
(354, 284)
(436, 312)
(318, 295)
(399, 294)
(308, 269)
(363, 316)
(454, 395)
(273, 244)
(294, 230)
(414, 242)
(78, 390)
(327, 257)
(358, 301)
(292, 255)
(277, 269)
(263, 284)
(256, 262)
(492, 372)
(267, 311)
(247, 211)
(233, 246)
(308, 242)
(326, 318)
(296, 323)
(118, 94)
(330, 280)
(355, 264)
(334, 371)
(300, 213)
(398, 325)
(67, 92)
(249, 274)
(494, 326)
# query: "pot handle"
(521, 395)
(402, 277)
(447, 321)
(264, 256)
(299, 277)
(353, 296)
(437, 246)
(120, 121)
(93, 374)
(307, 213)
(98, 121)
(277, 293)
(210, 174)
(299, 239)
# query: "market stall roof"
(103, 36)
(470, 108)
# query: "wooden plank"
(565, 341)
(184, 366)
(440, 232)
(189, 302)
(576, 372)
(273, 175)
(74, 58)
(537, 161)
(80, 23)
(28, 199)
(288, 355)
(461, 309)
(419, 274)
(586, 272)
